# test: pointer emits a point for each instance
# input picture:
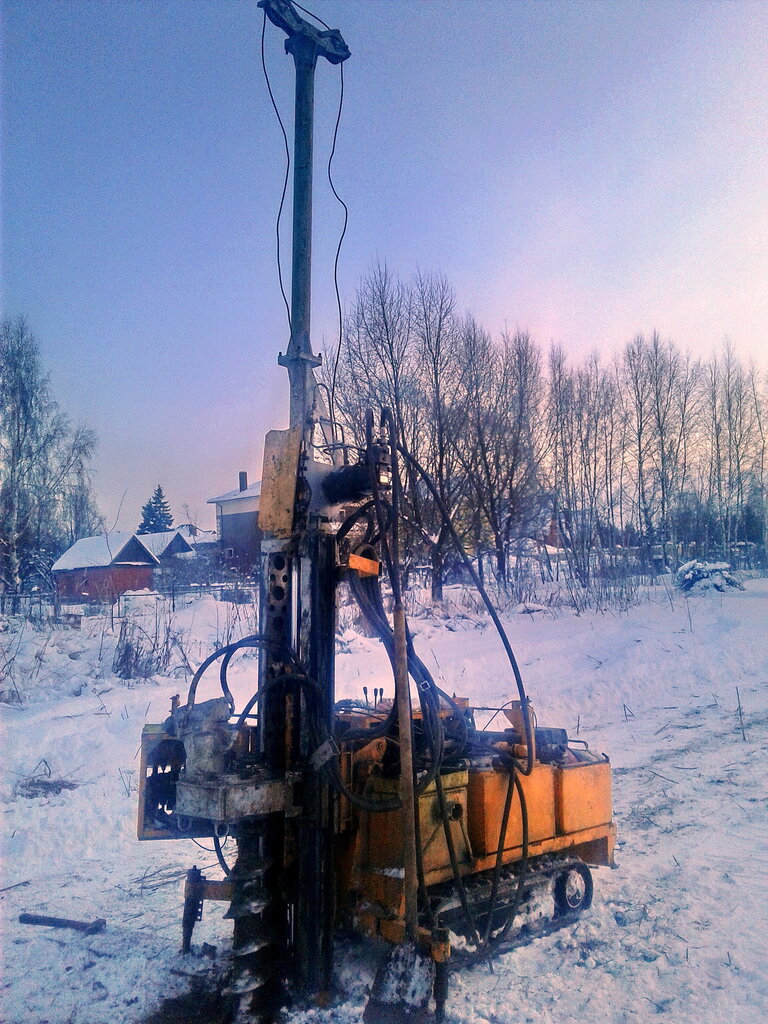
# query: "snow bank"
(677, 930)
(703, 576)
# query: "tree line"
(630, 463)
(46, 499)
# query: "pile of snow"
(674, 931)
(135, 600)
(702, 576)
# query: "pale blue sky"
(585, 171)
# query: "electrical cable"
(346, 218)
(333, 444)
(341, 242)
(311, 15)
(500, 853)
(423, 895)
(206, 848)
(496, 942)
(523, 862)
(287, 171)
(496, 712)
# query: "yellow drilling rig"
(399, 818)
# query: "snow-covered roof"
(194, 535)
(158, 543)
(254, 491)
(105, 549)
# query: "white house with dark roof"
(237, 523)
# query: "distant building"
(167, 544)
(237, 523)
(101, 568)
(201, 540)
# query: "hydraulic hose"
(500, 853)
(255, 640)
(220, 855)
(457, 877)
(486, 600)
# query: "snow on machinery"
(404, 821)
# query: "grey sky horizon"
(585, 171)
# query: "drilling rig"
(401, 818)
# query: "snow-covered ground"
(678, 929)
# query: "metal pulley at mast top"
(305, 43)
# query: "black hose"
(255, 640)
(523, 865)
(486, 600)
(220, 855)
(457, 877)
(496, 943)
(223, 680)
(500, 853)
(288, 677)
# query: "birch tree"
(41, 454)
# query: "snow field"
(678, 930)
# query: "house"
(237, 523)
(167, 544)
(101, 568)
(172, 550)
(201, 541)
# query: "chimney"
(243, 481)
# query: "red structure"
(101, 568)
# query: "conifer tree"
(156, 514)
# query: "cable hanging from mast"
(338, 198)
(287, 170)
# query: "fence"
(41, 606)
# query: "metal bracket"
(324, 753)
(329, 44)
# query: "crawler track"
(567, 880)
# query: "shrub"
(701, 576)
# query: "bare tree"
(733, 443)
(502, 448)
(674, 393)
(41, 456)
(760, 406)
(637, 387)
(581, 417)
(435, 344)
(399, 350)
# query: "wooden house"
(103, 567)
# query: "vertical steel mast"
(305, 44)
(298, 609)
